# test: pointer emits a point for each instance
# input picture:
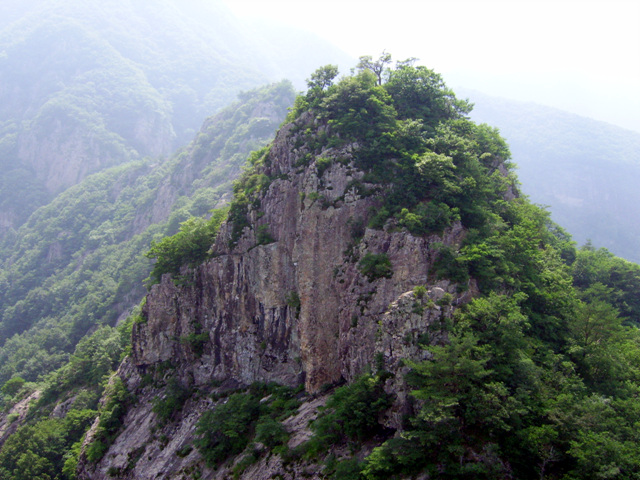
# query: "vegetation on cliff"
(535, 376)
(79, 263)
(535, 372)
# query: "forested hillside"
(584, 170)
(78, 262)
(89, 85)
(380, 241)
(372, 298)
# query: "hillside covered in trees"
(378, 300)
(475, 340)
(91, 85)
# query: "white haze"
(580, 56)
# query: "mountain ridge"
(85, 87)
(300, 286)
(583, 169)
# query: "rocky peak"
(312, 280)
(287, 300)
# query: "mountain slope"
(583, 169)
(378, 242)
(87, 246)
(381, 243)
(89, 85)
(298, 289)
(379, 303)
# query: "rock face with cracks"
(298, 308)
(294, 308)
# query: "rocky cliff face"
(298, 308)
(286, 301)
(63, 151)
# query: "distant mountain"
(79, 261)
(586, 171)
(378, 290)
(88, 85)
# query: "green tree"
(270, 432)
(378, 67)
(12, 386)
(34, 451)
(421, 94)
(476, 392)
(224, 431)
(319, 82)
(376, 265)
(351, 413)
(358, 109)
(593, 266)
(189, 247)
(111, 415)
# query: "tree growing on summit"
(421, 93)
(319, 82)
(323, 77)
(378, 67)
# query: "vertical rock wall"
(246, 298)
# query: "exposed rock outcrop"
(286, 301)
(64, 151)
(287, 310)
(16, 416)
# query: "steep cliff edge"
(311, 280)
(97, 234)
(286, 311)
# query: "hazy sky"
(582, 56)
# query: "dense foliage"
(188, 247)
(37, 452)
(413, 140)
(620, 277)
(224, 431)
(375, 266)
(535, 378)
(350, 414)
(79, 262)
(110, 419)
(230, 426)
(499, 401)
(47, 446)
